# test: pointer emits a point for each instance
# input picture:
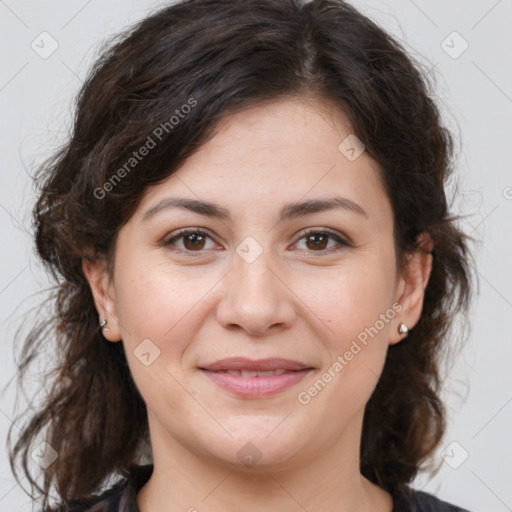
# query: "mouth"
(254, 373)
(257, 365)
(255, 378)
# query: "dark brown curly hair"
(226, 55)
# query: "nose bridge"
(255, 285)
(255, 278)
(255, 298)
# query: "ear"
(411, 287)
(104, 298)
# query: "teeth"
(248, 373)
(253, 373)
(268, 373)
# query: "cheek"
(351, 300)
(160, 302)
(146, 302)
(158, 312)
(358, 308)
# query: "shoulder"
(411, 500)
(119, 498)
(108, 501)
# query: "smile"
(256, 384)
(252, 373)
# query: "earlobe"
(102, 291)
(411, 289)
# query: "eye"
(317, 241)
(194, 240)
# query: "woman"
(256, 268)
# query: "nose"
(256, 298)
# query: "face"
(260, 274)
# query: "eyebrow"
(288, 212)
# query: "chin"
(258, 453)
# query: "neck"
(183, 480)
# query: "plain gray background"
(474, 88)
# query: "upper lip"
(243, 363)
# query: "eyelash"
(332, 234)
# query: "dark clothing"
(122, 498)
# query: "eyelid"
(340, 239)
(180, 233)
(328, 231)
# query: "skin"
(293, 301)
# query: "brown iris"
(196, 240)
(314, 238)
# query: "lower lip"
(255, 387)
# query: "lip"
(256, 387)
(244, 363)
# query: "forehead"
(277, 152)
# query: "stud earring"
(103, 324)
(403, 329)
